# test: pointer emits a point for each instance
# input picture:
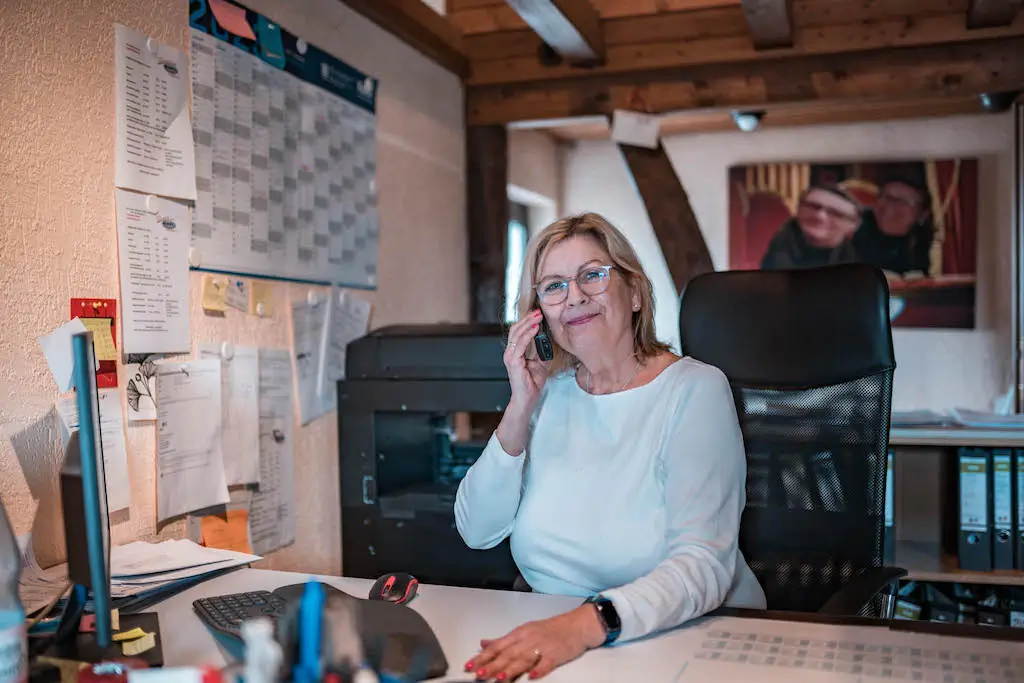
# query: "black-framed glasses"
(592, 280)
(831, 212)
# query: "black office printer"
(415, 410)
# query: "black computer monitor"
(84, 499)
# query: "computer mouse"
(394, 587)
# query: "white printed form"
(240, 406)
(155, 151)
(112, 443)
(190, 465)
(272, 507)
(152, 249)
(309, 325)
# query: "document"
(190, 465)
(309, 320)
(348, 319)
(59, 353)
(112, 441)
(155, 152)
(272, 508)
(152, 250)
(241, 410)
(141, 389)
(37, 587)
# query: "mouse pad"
(409, 646)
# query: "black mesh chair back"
(809, 356)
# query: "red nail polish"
(469, 665)
(533, 674)
(536, 324)
(502, 676)
(480, 673)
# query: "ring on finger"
(512, 345)
(536, 653)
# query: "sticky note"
(102, 337)
(214, 293)
(262, 295)
(227, 534)
(134, 634)
(232, 18)
(138, 646)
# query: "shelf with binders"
(953, 514)
(956, 436)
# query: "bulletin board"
(285, 141)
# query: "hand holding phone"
(545, 348)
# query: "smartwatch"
(609, 617)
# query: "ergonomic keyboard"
(225, 613)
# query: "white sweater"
(636, 495)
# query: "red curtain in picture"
(956, 191)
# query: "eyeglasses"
(831, 212)
(909, 202)
(592, 280)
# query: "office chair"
(809, 356)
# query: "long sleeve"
(488, 496)
(704, 472)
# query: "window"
(517, 237)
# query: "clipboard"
(106, 376)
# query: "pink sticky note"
(232, 18)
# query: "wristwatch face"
(609, 616)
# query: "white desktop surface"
(460, 617)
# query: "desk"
(461, 616)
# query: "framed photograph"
(917, 220)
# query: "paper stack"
(140, 572)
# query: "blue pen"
(307, 670)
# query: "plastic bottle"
(13, 642)
(263, 654)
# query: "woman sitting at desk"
(617, 468)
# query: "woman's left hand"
(538, 647)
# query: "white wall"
(58, 238)
(936, 369)
(534, 175)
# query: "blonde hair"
(619, 250)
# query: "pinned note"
(230, 532)
(102, 337)
(232, 18)
(237, 295)
(262, 299)
(59, 355)
(214, 293)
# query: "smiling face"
(898, 208)
(587, 323)
(826, 219)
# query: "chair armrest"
(852, 597)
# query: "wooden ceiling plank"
(769, 23)
(811, 13)
(571, 27)
(991, 13)
(415, 23)
(929, 71)
(820, 41)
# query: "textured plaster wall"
(937, 369)
(58, 238)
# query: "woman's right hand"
(526, 377)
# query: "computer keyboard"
(225, 613)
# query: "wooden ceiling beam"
(929, 71)
(570, 27)
(413, 22)
(716, 48)
(990, 13)
(769, 23)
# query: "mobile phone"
(545, 349)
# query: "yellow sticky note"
(102, 337)
(215, 292)
(227, 534)
(134, 634)
(262, 299)
(138, 646)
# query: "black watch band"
(609, 617)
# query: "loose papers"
(309, 320)
(152, 246)
(240, 408)
(155, 153)
(190, 464)
(272, 508)
(347, 319)
(114, 449)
